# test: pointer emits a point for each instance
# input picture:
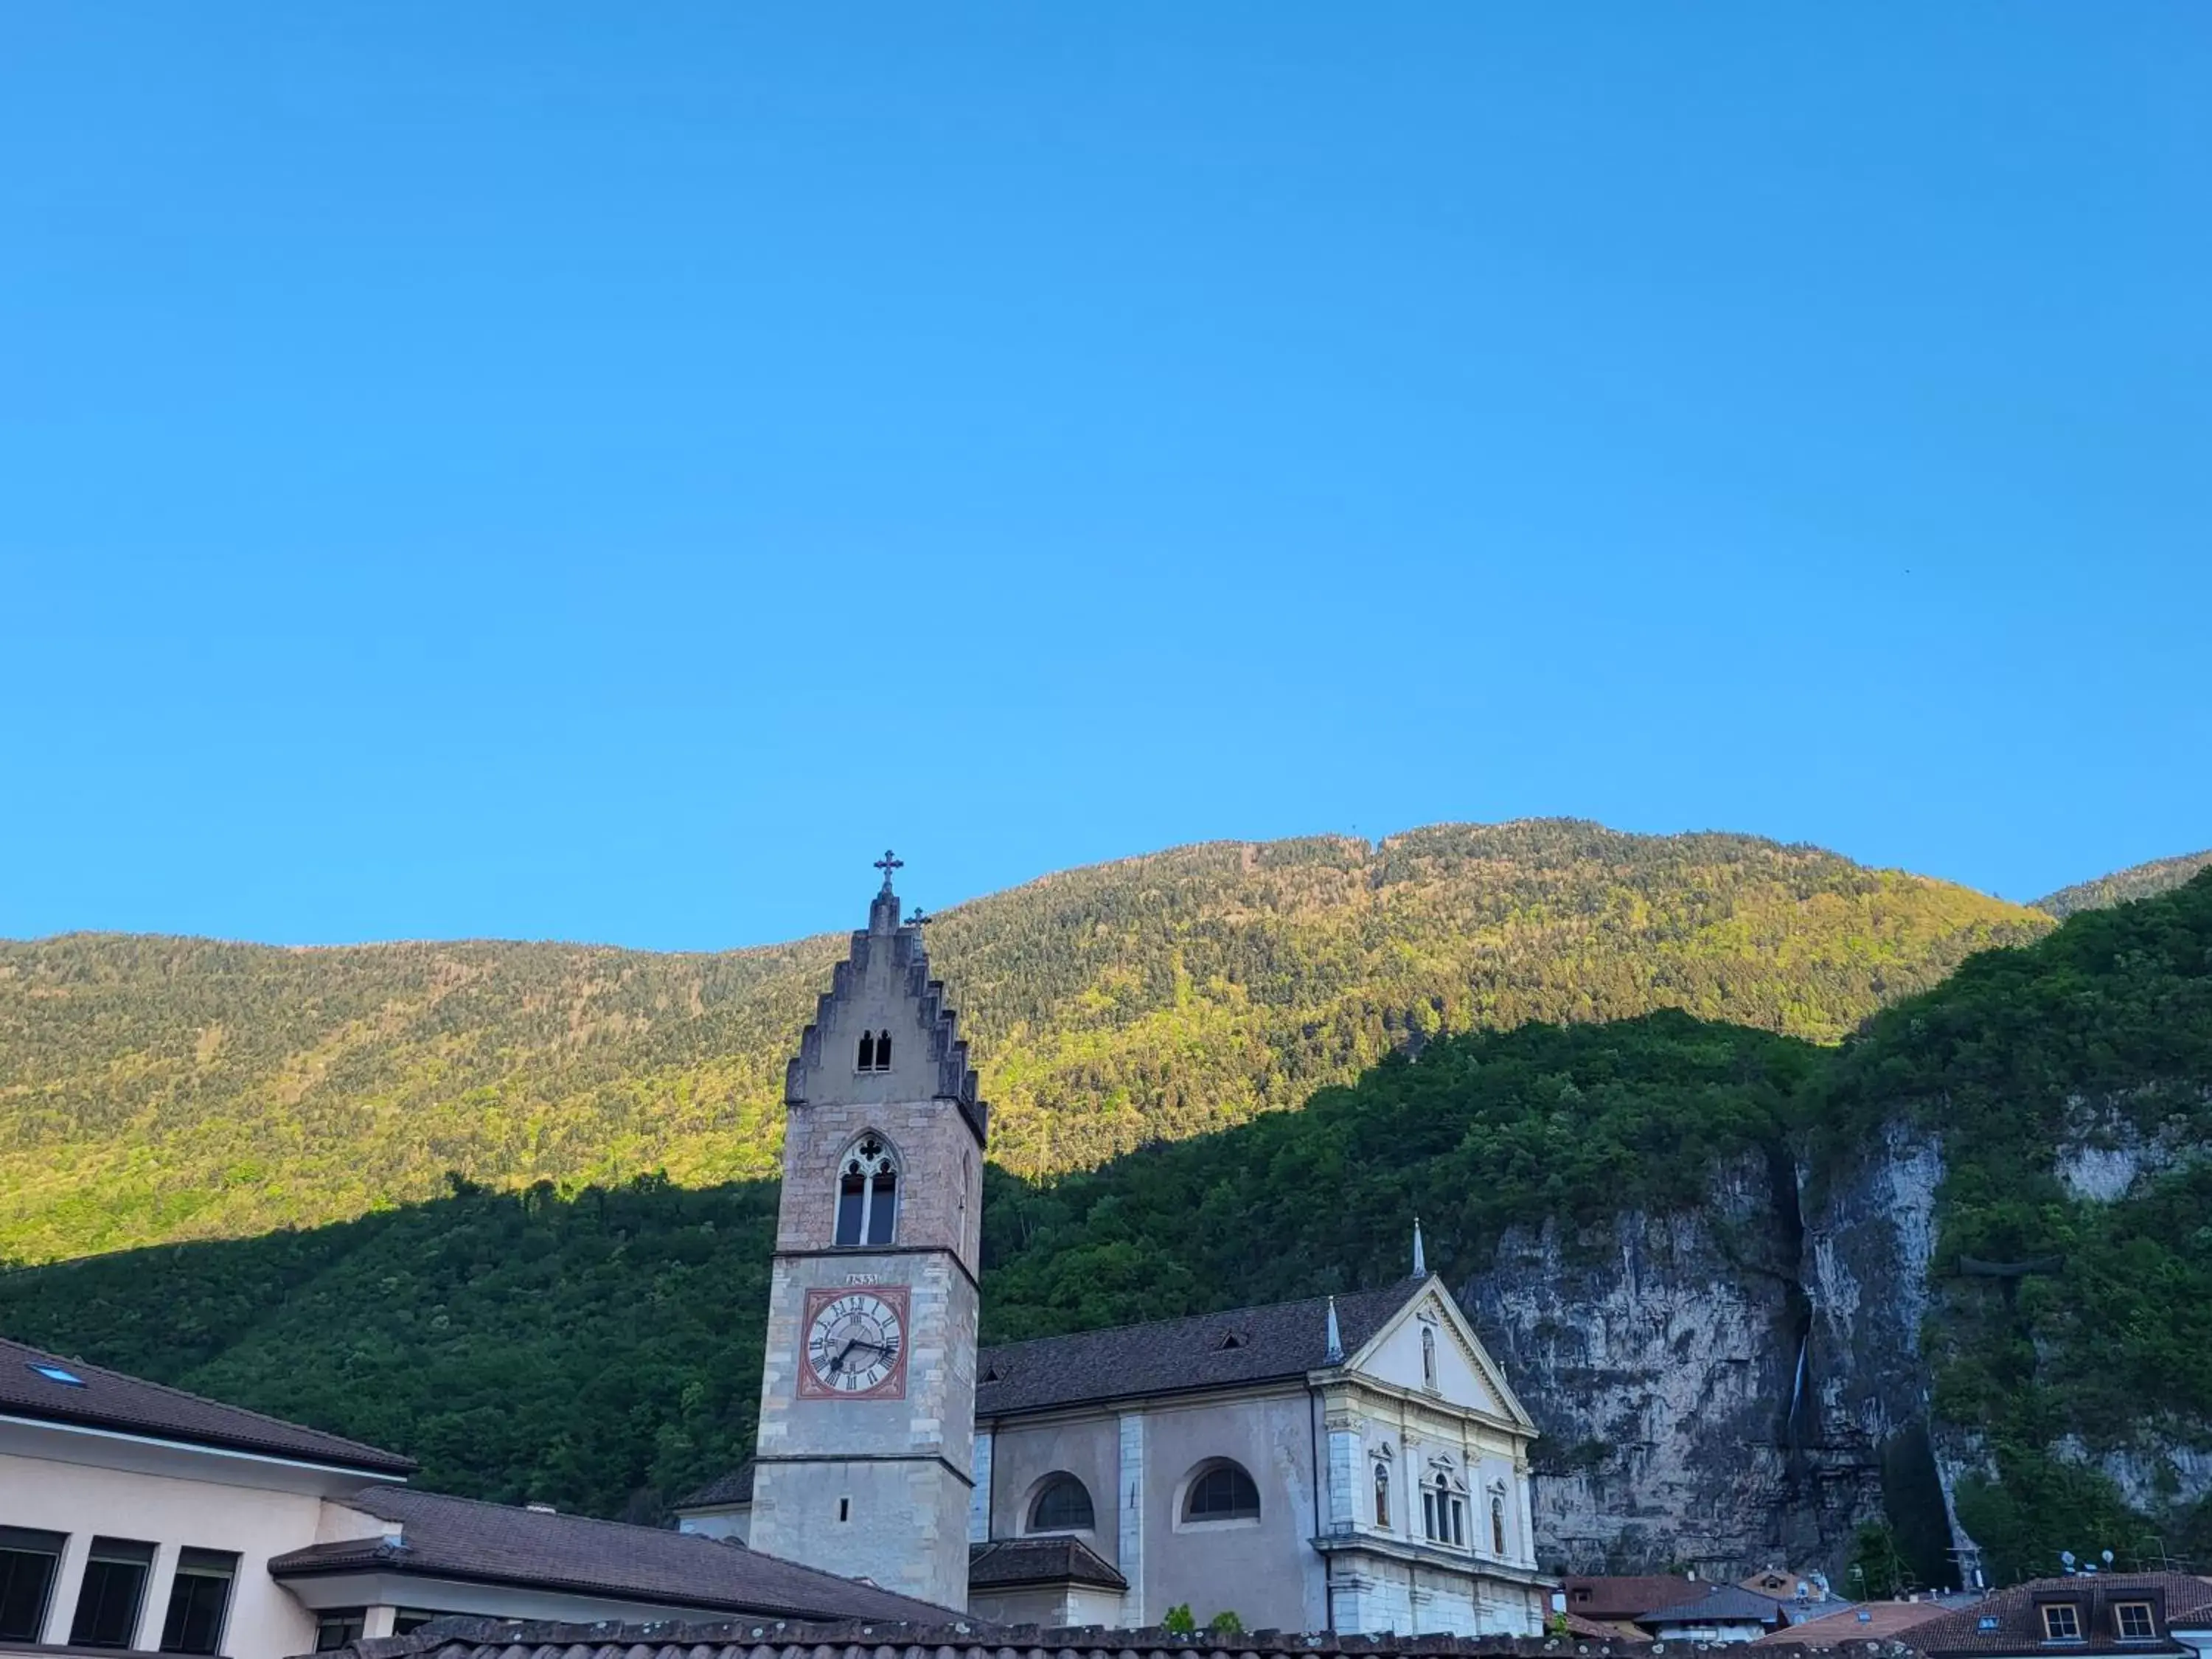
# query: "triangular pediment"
(1466, 1374)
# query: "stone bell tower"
(867, 1412)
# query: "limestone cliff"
(1731, 1386)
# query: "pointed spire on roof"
(1420, 1256)
(1334, 1353)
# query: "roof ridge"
(547, 1511)
(1316, 1302)
(67, 1362)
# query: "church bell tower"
(867, 1412)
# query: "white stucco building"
(139, 1518)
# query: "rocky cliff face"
(1729, 1387)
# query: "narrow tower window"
(867, 1194)
(867, 1059)
(884, 1052)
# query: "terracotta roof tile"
(484, 1639)
(2011, 1620)
(1870, 1621)
(1625, 1597)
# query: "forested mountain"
(2136, 881)
(158, 1088)
(602, 1351)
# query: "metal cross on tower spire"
(889, 862)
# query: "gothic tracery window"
(867, 1194)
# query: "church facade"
(1356, 1463)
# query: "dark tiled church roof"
(99, 1398)
(1004, 1562)
(735, 1488)
(1208, 1351)
(443, 1537)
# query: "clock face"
(855, 1344)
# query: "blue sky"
(603, 472)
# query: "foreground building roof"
(2013, 1621)
(49, 1388)
(1868, 1621)
(457, 1538)
(1627, 1596)
(484, 1639)
(1724, 1604)
(1010, 1562)
(1233, 1349)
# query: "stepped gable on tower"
(946, 1048)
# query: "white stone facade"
(1317, 1555)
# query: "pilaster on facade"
(979, 1497)
(1129, 1507)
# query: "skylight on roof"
(68, 1379)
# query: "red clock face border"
(893, 1384)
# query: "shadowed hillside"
(154, 1088)
(602, 1351)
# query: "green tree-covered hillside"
(154, 1089)
(601, 1350)
(2136, 881)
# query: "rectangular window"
(29, 1563)
(2133, 1619)
(883, 1209)
(336, 1626)
(1459, 1522)
(199, 1599)
(1428, 1515)
(2061, 1623)
(114, 1588)
(851, 1196)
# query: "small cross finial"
(919, 917)
(889, 862)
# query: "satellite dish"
(2108, 1558)
(2066, 1559)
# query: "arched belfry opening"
(867, 1194)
